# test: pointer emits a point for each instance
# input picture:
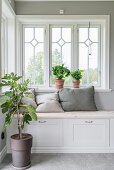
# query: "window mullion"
(6, 51)
(50, 55)
(46, 57)
(99, 56)
(75, 46)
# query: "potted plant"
(60, 72)
(13, 107)
(77, 76)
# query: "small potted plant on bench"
(60, 72)
(77, 76)
(13, 107)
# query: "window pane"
(29, 34)
(83, 34)
(39, 34)
(66, 31)
(94, 34)
(56, 34)
(61, 48)
(89, 54)
(34, 55)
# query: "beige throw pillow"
(29, 101)
(30, 93)
(52, 106)
(47, 97)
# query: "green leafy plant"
(77, 75)
(60, 71)
(12, 104)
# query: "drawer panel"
(86, 133)
(46, 132)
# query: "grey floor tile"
(66, 162)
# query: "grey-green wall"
(74, 8)
(103, 100)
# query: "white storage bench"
(71, 132)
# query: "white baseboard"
(69, 150)
(3, 153)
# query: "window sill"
(52, 89)
(103, 90)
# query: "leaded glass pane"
(34, 55)
(89, 55)
(61, 48)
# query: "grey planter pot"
(21, 151)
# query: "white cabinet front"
(86, 133)
(46, 132)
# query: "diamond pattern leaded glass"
(88, 42)
(34, 42)
(61, 48)
(34, 55)
(61, 42)
(88, 54)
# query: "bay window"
(78, 44)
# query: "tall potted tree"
(12, 106)
(60, 72)
(77, 76)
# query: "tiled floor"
(66, 162)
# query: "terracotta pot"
(59, 83)
(76, 84)
(21, 151)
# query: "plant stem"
(19, 123)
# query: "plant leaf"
(4, 110)
(32, 112)
(3, 100)
(8, 119)
(22, 107)
(26, 119)
(9, 93)
(5, 105)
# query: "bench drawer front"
(46, 132)
(86, 133)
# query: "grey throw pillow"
(79, 99)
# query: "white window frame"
(10, 64)
(75, 20)
(64, 25)
(45, 55)
(9, 15)
(99, 26)
(4, 45)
